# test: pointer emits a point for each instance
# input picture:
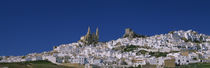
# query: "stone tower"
(129, 33)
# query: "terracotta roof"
(208, 37)
(137, 60)
(169, 63)
(184, 53)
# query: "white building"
(79, 60)
(208, 39)
(50, 58)
(182, 60)
(139, 61)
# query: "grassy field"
(195, 65)
(47, 64)
(32, 64)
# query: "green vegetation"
(194, 58)
(135, 36)
(118, 48)
(171, 32)
(31, 64)
(23, 57)
(174, 51)
(194, 41)
(198, 47)
(139, 36)
(130, 48)
(158, 54)
(145, 46)
(139, 66)
(185, 39)
(141, 52)
(195, 65)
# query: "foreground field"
(32, 64)
(195, 65)
(47, 64)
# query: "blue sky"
(28, 26)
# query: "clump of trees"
(127, 48)
(158, 54)
(139, 66)
(142, 52)
(194, 41)
(23, 57)
(171, 32)
(130, 48)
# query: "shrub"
(130, 48)
(185, 39)
(158, 54)
(171, 32)
(141, 52)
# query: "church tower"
(90, 38)
(97, 34)
(89, 32)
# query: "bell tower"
(97, 34)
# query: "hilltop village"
(131, 50)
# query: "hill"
(131, 50)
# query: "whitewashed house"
(50, 58)
(36, 58)
(138, 61)
(28, 59)
(193, 58)
(97, 61)
(182, 60)
(156, 61)
(79, 60)
(208, 39)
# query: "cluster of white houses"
(180, 47)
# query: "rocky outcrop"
(129, 33)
